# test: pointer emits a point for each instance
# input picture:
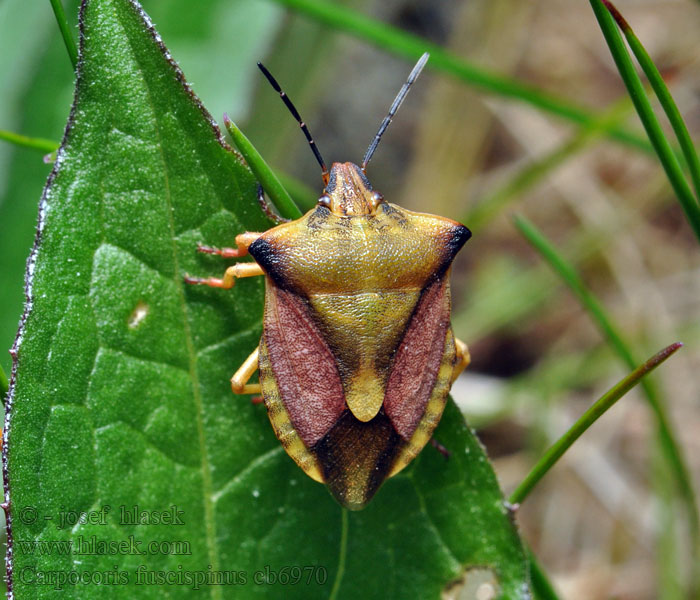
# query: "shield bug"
(357, 354)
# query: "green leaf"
(120, 401)
(278, 196)
(38, 90)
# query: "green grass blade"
(304, 197)
(300, 193)
(541, 586)
(662, 93)
(667, 439)
(412, 46)
(646, 114)
(279, 197)
(65, 31)
(40, 144)
(574, 281)
(599, 407)
(669, 559)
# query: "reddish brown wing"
(418, 358)
(303, 365)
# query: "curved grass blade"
(667, 439)
(304, 197)
(265, 175)
(411, 46)
(662, 93)
(599, 407)
(646, 114)
(65, 31)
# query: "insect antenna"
(394, 107)
(295, 114)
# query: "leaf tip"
(673, 347)
(662, 355)
(231, 128)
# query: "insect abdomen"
(307, 381)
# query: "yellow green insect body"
(357, 354)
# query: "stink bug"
(357, 354)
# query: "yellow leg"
(239, 381)
(243, 241)
(249, 269)
(463, 359)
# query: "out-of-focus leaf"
(216, 42)
(36, 82)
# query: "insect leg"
(226, 282)
(239, 381)
(243, 241)
(267, 208)
(463, 359)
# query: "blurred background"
(606, 522)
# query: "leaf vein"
(457, 565)
(252, 465)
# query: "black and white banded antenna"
(394, 107)
(295, 114)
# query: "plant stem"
(65, 31)
(40, 144)
(667, 439)
(554, 453)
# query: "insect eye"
(325, 200)
(376, 199)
